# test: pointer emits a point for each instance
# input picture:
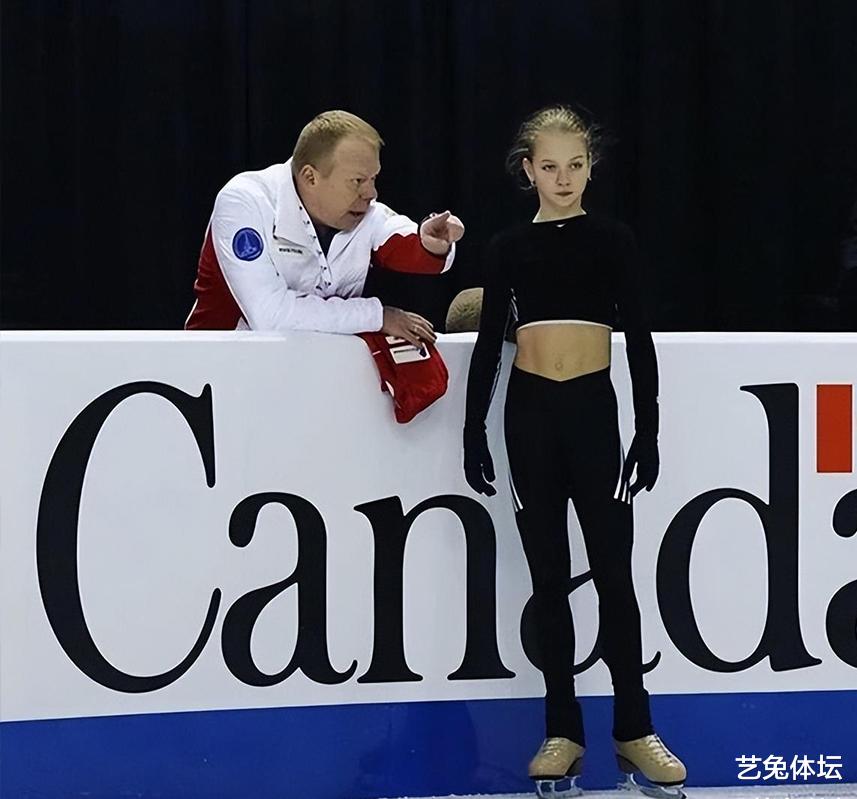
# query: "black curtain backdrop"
(734, 128)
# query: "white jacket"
(262, 268)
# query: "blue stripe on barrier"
(402, 749)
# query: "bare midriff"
(563, 350)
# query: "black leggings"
(563, 442)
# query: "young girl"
(567, 275)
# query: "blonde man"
(289, 247)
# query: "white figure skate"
(663, 772)
(556, 767)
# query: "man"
(289, 247)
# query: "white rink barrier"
(226, 571)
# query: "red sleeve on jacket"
(405, 253)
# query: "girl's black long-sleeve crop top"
(584, 268)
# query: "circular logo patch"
(247, 244)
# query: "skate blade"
(547, 789)
(653, 791)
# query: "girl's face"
(559, 169)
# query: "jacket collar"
(291, 221)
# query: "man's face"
(339, 192)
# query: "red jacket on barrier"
(414, 380)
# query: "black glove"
(643, 455)
(478, 466)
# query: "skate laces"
(553, 747)
(659, 750)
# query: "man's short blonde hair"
(321, 134)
